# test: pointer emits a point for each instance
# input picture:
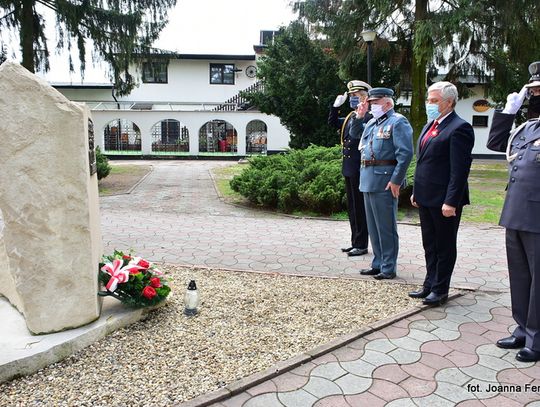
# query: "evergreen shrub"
(307, 180)
(103, 166)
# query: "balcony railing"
(156, 106)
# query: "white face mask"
(377, 111)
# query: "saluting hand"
(448, 211)
(362, 109)
(394, 188)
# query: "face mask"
(432, 111)
(377, 111)
(354, 101)
(534, 107)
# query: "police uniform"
(386, 151)
(351, 167)
(521, 218)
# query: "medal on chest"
(536, 143)
(384, 132)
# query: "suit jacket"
(522, 204)
(387, 138)
(351, 155)
(443, 164)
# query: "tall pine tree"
(494, 40)
(119, 30)
(300, 82)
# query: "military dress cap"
(534, 70)
(356, 86)
(378, 93)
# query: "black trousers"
(523, 254)
(357, 212)
(439, 238)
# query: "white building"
(185, 104)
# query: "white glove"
(514, 101)
(340, 99)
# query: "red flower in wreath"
(143, 263)
(149, 292)
(155, 282)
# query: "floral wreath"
(133, 280)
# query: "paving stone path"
(439, 357)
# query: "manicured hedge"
(306, 180)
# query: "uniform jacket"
(351, 155)
(443, 164)
(521, 210)
(387, 138)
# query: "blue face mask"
(354, 101)
(432, 111)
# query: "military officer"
(357, 93)
(520, 216)
(386, 151)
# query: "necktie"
(432, 132)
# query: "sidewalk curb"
(281, 367)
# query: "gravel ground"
(247, 322)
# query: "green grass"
(487, 183)
(127, 169)
(223, 176)
(121, 178)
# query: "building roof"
(160, 53)
(81, 85)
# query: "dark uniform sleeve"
(333, 118)
(500, 131)
(358, 125)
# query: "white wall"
(189, 81)
(87, 95)
(277, 137)
(464, 108)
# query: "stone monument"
(50, 245)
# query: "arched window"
(170, 136)
(218, 136)
(122, 136)
(256, 137)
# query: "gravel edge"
(284, 366)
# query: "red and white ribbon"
(118, 273)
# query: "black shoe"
(346, 249)
(421, 293)
(511, 342)
(357, 252)
(370, 272)
(528, 355)
(435, 299)
(384, 276)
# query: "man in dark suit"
(521, 214)
(357, 92)
(443, 161)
